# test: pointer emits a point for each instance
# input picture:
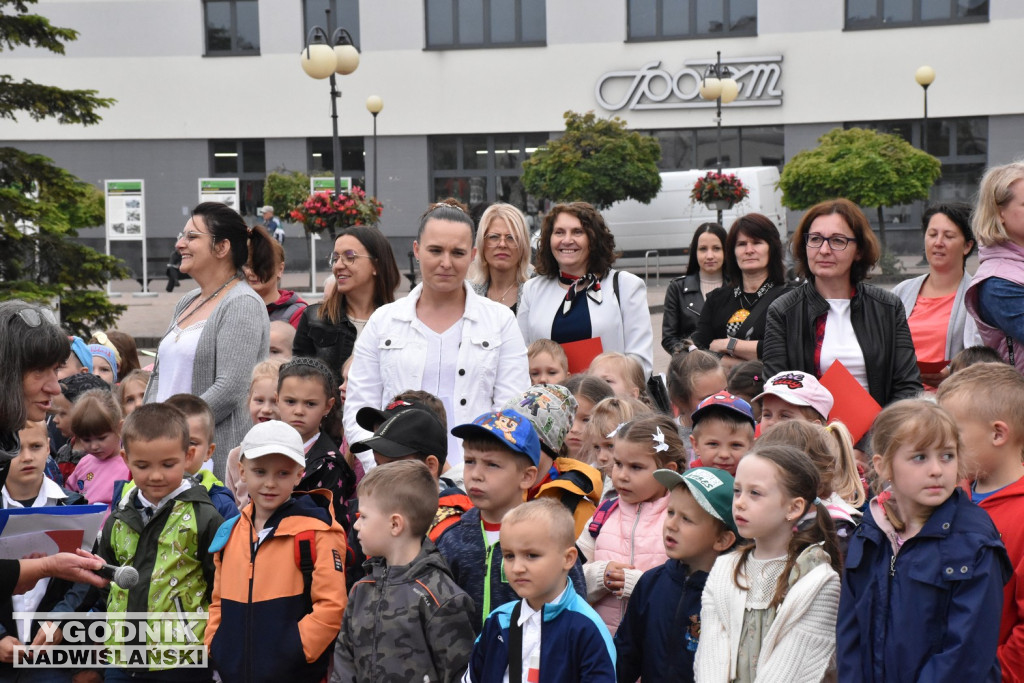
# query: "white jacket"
(800, 645)
(390, 354)
(626, 329)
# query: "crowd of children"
(586, 535)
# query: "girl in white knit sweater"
(768, 612)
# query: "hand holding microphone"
(124, 577)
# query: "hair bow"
(659, 440)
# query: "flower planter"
(720, 204)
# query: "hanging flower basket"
(718, 190)
(321, 211)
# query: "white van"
(666, 225)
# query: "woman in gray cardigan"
(934, 302)
(220, 330)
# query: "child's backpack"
(601, 516)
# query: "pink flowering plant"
(714, 186)
(322, 211)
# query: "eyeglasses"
(347, 257)
(836, 242)
(190, 235)
(494, 239)
(34, 317)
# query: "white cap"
(274, 436)
(799, 389)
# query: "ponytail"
(261, 256)
(846, 480)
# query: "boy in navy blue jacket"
(657, 639)
(551, 634)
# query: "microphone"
(124, 577)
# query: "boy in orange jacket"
(279, 587)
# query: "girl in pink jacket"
(624, 537)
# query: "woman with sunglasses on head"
(365, 277)
(835, 315)
(443, 338)
(219, 330)
(502, 262)
(33, 347)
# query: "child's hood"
(304, 511)
(429, 560)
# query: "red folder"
(580, 353)
(853, 405)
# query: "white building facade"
(470, 87)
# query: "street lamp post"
(322, 57)
(374, 104)
(925, 76)
(718, 85)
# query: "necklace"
(178, 323)
(501, 299)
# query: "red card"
(853, 405)
(580, 353)
(931, 368)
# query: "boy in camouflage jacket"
(407, 620)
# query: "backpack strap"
(450, 509)
(515, 645)
(601, 516)
(615, 287)
(305, 559)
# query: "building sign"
(326, 184)
(654, 87)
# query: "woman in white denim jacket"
(442, 338)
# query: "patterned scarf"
(588, 284)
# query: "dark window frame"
(693, 34)
(487, 43)
(350, 145)
(235, 51)
(491, 173)
(250, 183)
(335, 20)
(879, 22)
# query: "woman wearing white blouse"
(835, 316)
(443, 338)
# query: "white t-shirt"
(841, 343)
(177, 356)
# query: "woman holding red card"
(835, 315)
(578, 296)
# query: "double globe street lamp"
(719, 85)
(323, 57)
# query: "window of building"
(485, 23)
(874, 14)
(961, 144)
(483, 169)
(675, 19)
(232, 27)
(320, 158)
(344, 14)
(685, 149)
(245, 160)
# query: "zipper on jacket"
(382, 586)
(247, 647)
(892, 567)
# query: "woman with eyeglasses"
(33, 347)
(220, 330)
(282, 304)
(835, 316)
(364, 278)
(502, 262)
(732, 321)
(443, 338)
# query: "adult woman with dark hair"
(365, 278)
(32, 347)
(578, 295)
(835, 315)
(685, 297)
(282, 304)
(995, 297)
(732, 321)
(502, 262)
(939, 323)
(443, 338)
(219, 330)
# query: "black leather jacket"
(879, 323)
(683, 303)
(319, 338)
